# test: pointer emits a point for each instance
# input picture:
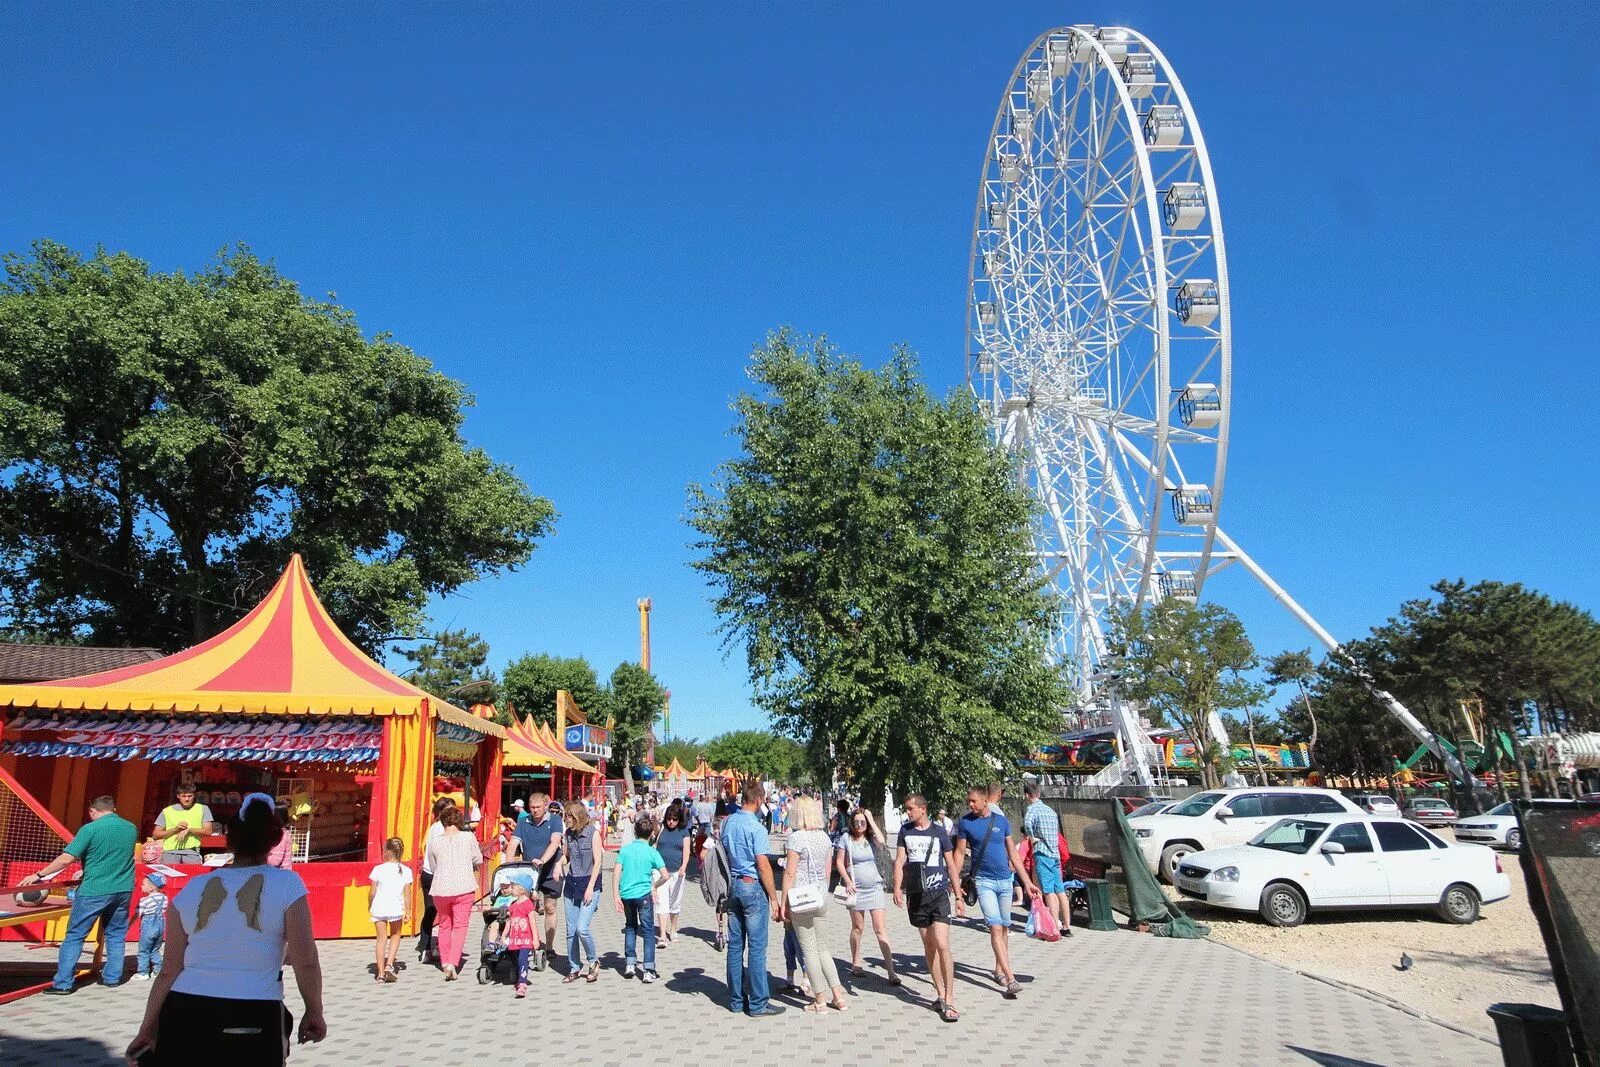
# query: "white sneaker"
(649, 976)
(627, 971)
(140, 978)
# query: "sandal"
(856, 970)
(838, 1005)
(574, 975)
(938, 1008)
(949, 1014)
(893, 979)
(593, 974)
(812, 1008)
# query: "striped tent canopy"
(287, 657)
(531, 744)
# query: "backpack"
(715, 876)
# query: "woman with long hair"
(219, 996)
(580, 891)
(857, 860)
(454, 857)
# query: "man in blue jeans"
(105, 847)
(994, 860)
(751, 900)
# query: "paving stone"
(1096, 998)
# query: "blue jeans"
(579, 937)
(994, 897)
(749, 916)
(151, 937)
(639, 918)
(86, 910)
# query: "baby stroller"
(495, 962)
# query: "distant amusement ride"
(1100, 350)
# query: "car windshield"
(1155, 807)
(1198, 804)
(1380, 802)
(1422, 803)
(1501, 809)
(1290, 835)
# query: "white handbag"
(806, 899)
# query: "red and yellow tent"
(529, 744)
(282, 691)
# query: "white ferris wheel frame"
(1098, 309)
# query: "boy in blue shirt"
(640, 869)
(994, 861)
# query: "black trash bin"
(1532, 1035)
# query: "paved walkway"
(1098, 998)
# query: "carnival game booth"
(534, 762)
(281, 702)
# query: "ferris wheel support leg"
(1457, 769)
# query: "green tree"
(758, 754)
(530, 682)
(686, 750)
(1183, 663)
(1295, 667)
(450, 665)
(636, 702)
(167, 440)
(871, 550)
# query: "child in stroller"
(508, 927)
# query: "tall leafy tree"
(636, 702)
(167, 440)
(686, 750)
(530, 683)
(870, 550)
(451, 666)
(759, 754)
(1183, 663)
(1296, 668)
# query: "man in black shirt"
(922, 885)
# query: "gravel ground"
(1458, 970)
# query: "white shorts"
(388, 918)
(670, 895)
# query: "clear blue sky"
(590, 215)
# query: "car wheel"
(1283, 905)
(1514, 839)
(1171, 857)
(1591, 842)
(1459, 905)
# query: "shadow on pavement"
(1329, 1059)
(25, 1052)
(696, 980)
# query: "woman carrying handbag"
(805, 900)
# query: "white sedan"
(1299, 864)
(1497, 826)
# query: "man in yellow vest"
(180, 826)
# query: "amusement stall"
(281, 702)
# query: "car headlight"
(1143, 831)
(1225, 874)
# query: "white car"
(1221, 817)
(1302, 864)
(1497, 826)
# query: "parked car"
(1303, 864)
(1154, 807)
(1497, 826)
(1378, 805)
(1219, 817)
(1429, 811)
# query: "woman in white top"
(219, 996)
(430, 915)
(454, 857)
(810, 857)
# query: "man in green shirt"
(105, 847)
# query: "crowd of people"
(215, 950)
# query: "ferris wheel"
(1100, 345)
